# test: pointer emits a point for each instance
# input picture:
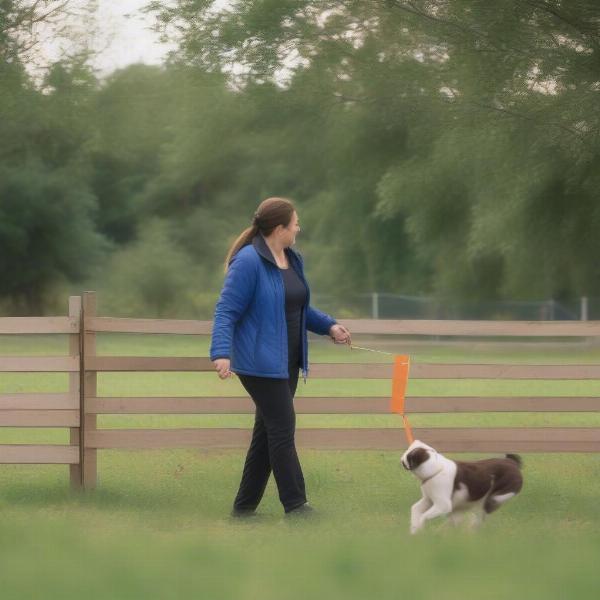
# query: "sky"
(128, 35)
(118, 32)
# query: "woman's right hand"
(223, 367)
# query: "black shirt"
(295, 298)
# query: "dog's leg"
(477, 517)
(416, 511)
(456, 518)
(442, 507)
(495, 502)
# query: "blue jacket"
(249, 325)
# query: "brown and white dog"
(452, 488)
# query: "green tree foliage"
(47, 233)
(464, 134)
(432, 146)
(133, 108)
(152, 277)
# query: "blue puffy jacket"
(249, 325)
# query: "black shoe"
(243, 513)
(303, 511)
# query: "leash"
(353, 347)
(399, 383)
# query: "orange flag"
(399, 382)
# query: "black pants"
(273, 446)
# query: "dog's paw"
(416, 525)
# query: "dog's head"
(417, 454)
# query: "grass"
(158, 525)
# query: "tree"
(150, 277)
(47, 210)
(471, 130)
(47, 232)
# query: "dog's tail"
(516, 458)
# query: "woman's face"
(288, 234)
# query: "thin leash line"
(353, 347)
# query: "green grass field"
(158, 524)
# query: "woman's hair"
(269, 214)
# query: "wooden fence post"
(75, 389)
(88, 421)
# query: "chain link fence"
(378, 305)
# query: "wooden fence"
(79, 407)
(45, 410)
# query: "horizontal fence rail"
(457, 371)
(28, 325)
(78, 407)
(372, 327)
(147, 363)
(359, 370)
(39, 364)
(39, 418)
(162, 326)
(39, 402)
(454, 439)
(474, 328)
(39, 454)
(342, 405)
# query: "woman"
(260, 334)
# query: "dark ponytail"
(269, 214)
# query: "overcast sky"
(129, 37)
(119, 33)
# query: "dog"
(453, 488)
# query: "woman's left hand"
(339, 334)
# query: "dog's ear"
(416, 457)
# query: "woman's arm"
(318, 322)
(324, 324)
(237, 292)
